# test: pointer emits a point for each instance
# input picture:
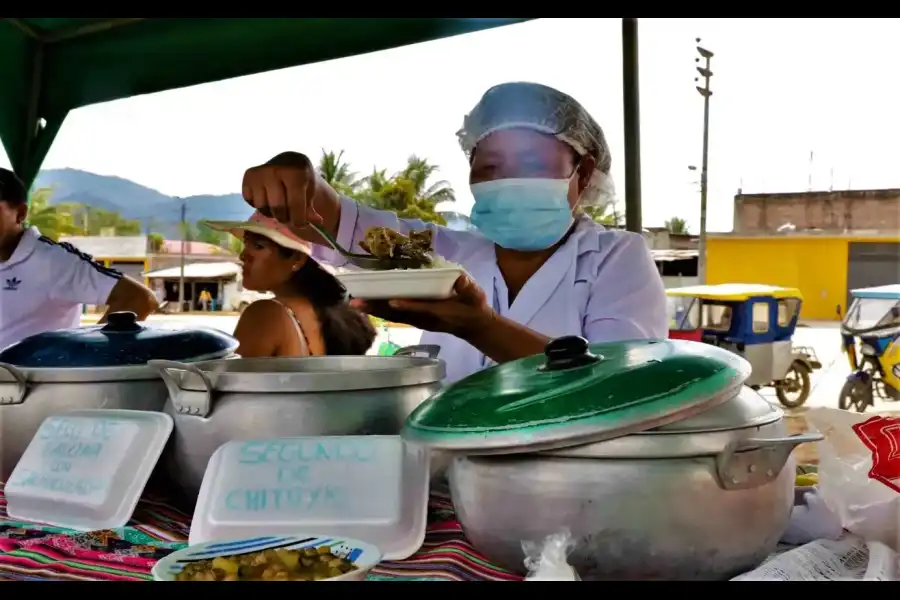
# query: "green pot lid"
(577, 393)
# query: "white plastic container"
(413, 284)
(86, 469)
(370, 487)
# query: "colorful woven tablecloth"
(34, 552)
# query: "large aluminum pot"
(215, 402)
(703, 498)
(101, 366)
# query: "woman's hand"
(461, 315)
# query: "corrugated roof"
(208, 270)
(199, 248)
(101, 247)
(670, 255)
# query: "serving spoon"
(367, 261)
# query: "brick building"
(874, 211)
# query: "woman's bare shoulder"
(260, 330)
(262, 311)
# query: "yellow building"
(823, 267)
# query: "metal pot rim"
(301, 375)
(89, 374)
(658, 445)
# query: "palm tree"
(419, 171)
(677, 226)
(407, 193)
(372, 186)
(608, 214)
(51, 221)
(336, 172)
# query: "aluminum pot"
(101, 366)
(652, 453)
(214, 402)
(702, 499)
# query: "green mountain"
(156, 211)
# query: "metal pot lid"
(746, 409)
(122, 341)
(575, 394)
(743, 417)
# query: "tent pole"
(632, 113)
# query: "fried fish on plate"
(385, 243)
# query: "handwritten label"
(75, 457)
(309, 478)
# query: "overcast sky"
(783, 88)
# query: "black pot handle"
(568, 352)
(121, 321)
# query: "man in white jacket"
(43, 284)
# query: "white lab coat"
(601, 284)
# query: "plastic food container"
(363, 556)
(372, 487)
(86, 469)
(414, 284)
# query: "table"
(35, 552)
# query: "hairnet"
(546, 110)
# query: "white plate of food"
(432, 282)
(271, 558)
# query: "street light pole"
(184, 232)
(706, 73)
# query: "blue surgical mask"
(522, 214)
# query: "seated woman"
(309, 315)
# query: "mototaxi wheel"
(856, 394)
(796, 379)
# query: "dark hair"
(12, 190)
(345, 330)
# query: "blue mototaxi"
(757, 322)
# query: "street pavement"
(824, 338)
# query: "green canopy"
(51, 66)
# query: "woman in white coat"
(538, 267)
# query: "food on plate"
(385, 243)
(280, 564)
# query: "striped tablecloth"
(35, 552)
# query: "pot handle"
(188, 402)
(431, 350)
(21, 383)
(738, 467)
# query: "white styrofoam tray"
(87, 469)
(422, 284)
(369, 487)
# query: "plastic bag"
(859, 471)
(811, 521)
(547, 561)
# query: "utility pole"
(184, 232)
(632, 111)
(811, 155)
(706, 73)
